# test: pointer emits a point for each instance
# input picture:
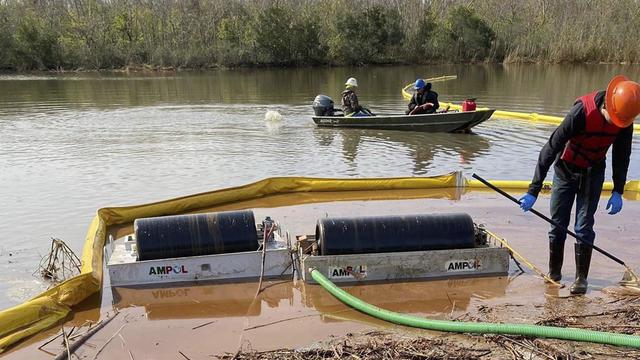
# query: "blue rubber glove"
(615, 203)
(526, 202)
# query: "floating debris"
(61, 263)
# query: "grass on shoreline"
(88, 35)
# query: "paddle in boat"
(451, 121)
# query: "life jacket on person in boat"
(590, 147)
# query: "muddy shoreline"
(614, 309)
(617, 310)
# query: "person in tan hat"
(349, 103)
(579, 147)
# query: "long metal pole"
(550, 221)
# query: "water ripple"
(70, 147)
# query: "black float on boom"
(380, 234)
(198, 234)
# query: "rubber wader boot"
(583, 260)
(556, 255)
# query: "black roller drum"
(378, 234)
(199, 234)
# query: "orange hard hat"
(623, 101)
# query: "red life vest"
(590, 147)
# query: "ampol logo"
(167, 270)
(462, 265)
(358, 271)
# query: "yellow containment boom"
(53, 305)
(534, 117)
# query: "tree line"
(115, 34)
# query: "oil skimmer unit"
(228, 246)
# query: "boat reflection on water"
(211, 300)
(201, 300)
(427, 298)
(285, 314)
(421, 148)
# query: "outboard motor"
(323, 106)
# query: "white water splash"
(272, 116)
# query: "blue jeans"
(585, 187)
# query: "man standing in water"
(579, 147)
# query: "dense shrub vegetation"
(108, 34)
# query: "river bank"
(170, 69)
(615, 311)
(210, 33)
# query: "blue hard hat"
(419, 84)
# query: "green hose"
(476, 327)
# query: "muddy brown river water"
(72, 143)
(212, 319)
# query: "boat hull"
(440, 122)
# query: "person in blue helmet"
(424, 101)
